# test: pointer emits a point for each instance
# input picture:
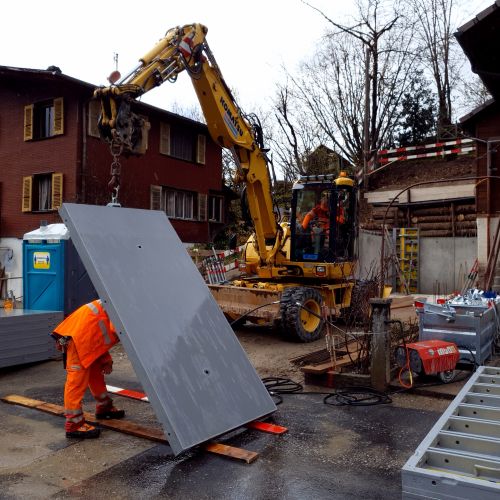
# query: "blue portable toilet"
(54, 278)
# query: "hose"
(348, 396)
(407, 367)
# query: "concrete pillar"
(381, 343)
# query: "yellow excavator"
(297, 272)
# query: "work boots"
(86, 431)
(109, 413)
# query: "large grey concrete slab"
(195, 372)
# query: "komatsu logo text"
(230, 120)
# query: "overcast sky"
(250, 41)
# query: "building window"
(216, 208)
(182, 144)
(43, 119)
(42, 192)
(179, 204)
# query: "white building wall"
(11, 257)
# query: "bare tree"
(437, 48)
(473, 93)
(332, 85)
(293, 134)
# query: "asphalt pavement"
(329, 451)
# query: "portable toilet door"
(43, 268)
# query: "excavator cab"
(323, 219)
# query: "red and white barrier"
(127, 393)
(388, 156)
(405, 149)
(256, 424)
(215, 267)
(227, 253)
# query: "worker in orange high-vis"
(85, 337)
(320, 213)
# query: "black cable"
(474, 360)
(348, 396)
(357, 396)
(281, 385)
(238, 320)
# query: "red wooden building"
(50, 152)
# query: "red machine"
(430, 357)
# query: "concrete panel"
(443, 261)
(369, 252)
(191, 365)
(25, 336)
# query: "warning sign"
(41, 260)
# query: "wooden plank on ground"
(124, 426)
(232, 452)
(128, 427)
(320, 368)
(329, 366)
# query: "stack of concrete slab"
(25, 336)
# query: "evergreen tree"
(417, 122)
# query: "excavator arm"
(185, 49)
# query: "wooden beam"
(124, 426)
(131, 428)
(231, 452)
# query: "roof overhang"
(481, 44)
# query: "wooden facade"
(484, 125)
(480, 41)
(50, 152)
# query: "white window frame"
(179, 204)
(212, 201)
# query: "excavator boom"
(186, 49)
(303, 264)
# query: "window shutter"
(202, 207)
(142, 145)
(164, 138)
(58, 116)
(57, 191)
(93, 118)
(200, 150)
(28, 122)
(156, 198)
(27, 190)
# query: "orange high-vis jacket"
(91, 330)
(319, 212)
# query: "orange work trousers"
(78, 379)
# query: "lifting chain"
(116, 149)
